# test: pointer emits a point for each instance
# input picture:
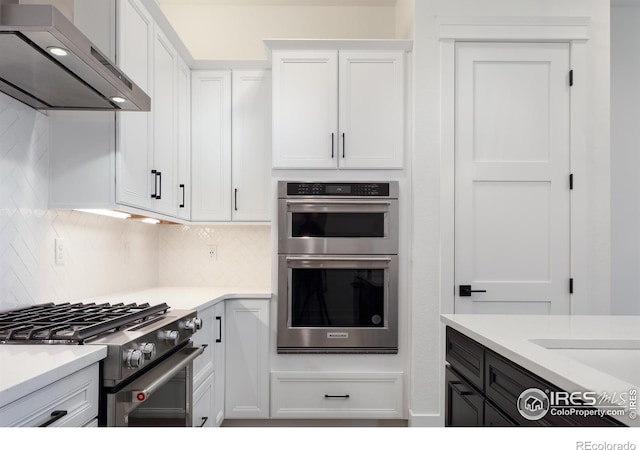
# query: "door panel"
(512, 177)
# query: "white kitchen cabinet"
(69, 402)
(336, 395)
(211, 145)
(338, 108)
(247, 361)
(202, 403)
(184, 141)
(231, 145)
(219, 356)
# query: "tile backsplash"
(101, 255)
(241, 255)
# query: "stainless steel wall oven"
(337, 267)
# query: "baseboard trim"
(425, 420)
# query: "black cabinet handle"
(55, 415)
(336, 396)
(204, 420)
(465, 290)
(219, 319)
(155, 184)
(454, 384)
(235, 199)
(332, 144)
(182, 204)
(343, 145)
(159, 175)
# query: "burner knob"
(135, 359)
(148, 350)
(171, 337)
(194, 325)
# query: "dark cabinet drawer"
(505, 381)
(493, 417)
(466, 356)
(464, 404)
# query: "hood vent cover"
(48, 63)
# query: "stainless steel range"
(147, 375)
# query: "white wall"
(224, 31)
(426, 384)
(95, 260)
(625, 158)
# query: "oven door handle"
(142, 393)
(339, 258)
(360, 202)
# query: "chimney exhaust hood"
(47, 63)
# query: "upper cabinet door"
(251, 155)
(165, 123)
(371, 114)
(211, 145)
(184, 141)
(305, 109)
(135, 129)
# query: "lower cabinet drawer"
(203, 404)
(312, 395)
(75, 395)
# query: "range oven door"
(337, 304)
(337, 226)
(159, 396)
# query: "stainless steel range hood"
(34, 71)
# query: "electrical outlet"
(59, 251)
(212, 252)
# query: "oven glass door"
(161, 396)
(337, 301)
(337, 226)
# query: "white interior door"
(512, 201)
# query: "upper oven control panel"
(298, 189)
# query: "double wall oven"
(147, 376)
(337, 267)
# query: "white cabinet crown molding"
(339, 44)
(513, 28)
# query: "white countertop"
(27, 368)
(186, 297)
(576, 353)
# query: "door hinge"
(571, 182)
(571, 77)
(570, 285)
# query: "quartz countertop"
(27, 368)
(186, 297)
(576, 353)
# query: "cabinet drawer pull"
(235, 199)
(55, 416)
(204, 420)
(219, 319)
(159, 175)
(336, 396)
(332, 145)
(182, 204)
(343, 145)
(155, 184)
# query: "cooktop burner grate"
(66, 323)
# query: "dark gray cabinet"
(482, 389)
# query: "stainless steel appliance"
(147, 375)
(48, 63)
(337, 267)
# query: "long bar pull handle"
(343, 145)
(155, 184)
(235, 199)
(336, 396)
(219, 319)
(332, 144)
(159, 175)
(465, 290)
(55, 416)
(204, 420)
(182, 187)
